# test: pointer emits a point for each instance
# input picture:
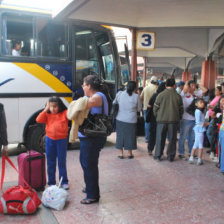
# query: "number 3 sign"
(145, 40)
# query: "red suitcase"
(32, 167)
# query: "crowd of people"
(168, 108)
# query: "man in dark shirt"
(168, 110)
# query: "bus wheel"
(36, 138)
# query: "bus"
(52, 58)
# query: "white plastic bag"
(54, 197)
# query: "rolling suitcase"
(32, 168)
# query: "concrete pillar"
(134, 56)
(208, 73)
(144, 72)
(186, 75)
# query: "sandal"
(121, 157)
(130, 157)
(87, 201)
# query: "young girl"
(199, 130)
(55, 117)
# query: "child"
(199, 130)
(55, 117)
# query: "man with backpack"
(188, 121)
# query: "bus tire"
(36, 138)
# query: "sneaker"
(65, 186)
(170, 158)
(212, 156)
(182, 157)
(157, 158)
(215, 160)
(191, 161)
(199, 163)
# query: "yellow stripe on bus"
(45, 76)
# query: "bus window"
(107, 56)
(86, 56)
(17, 35)
(51, 39)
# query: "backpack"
(192, 107)
(17, 199)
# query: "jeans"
(161, 133)
(147, 125)
(186, 131)
(152, 135)
(56, 149)
(221, 142)
(89, 157)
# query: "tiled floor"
(136, 191)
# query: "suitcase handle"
(34, 158)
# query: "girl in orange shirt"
(55, 117)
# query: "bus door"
(94, 54)
(85, 61)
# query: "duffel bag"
(17, 199)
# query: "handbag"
(148, 114)
(97, 125)
(17, 199)
(114, 110)
(115, 105)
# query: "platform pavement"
(136, 191)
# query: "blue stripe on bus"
(61, 72)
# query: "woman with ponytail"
(126, 119)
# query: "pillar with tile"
(134, 56)
(186, 75)
(208, 73)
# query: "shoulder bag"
(97, 125)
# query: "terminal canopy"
(145, 13)
(186, 31)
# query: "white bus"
(52, 60)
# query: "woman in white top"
(126, 120)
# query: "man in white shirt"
(188, 121)
(146, 94)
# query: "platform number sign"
(145, 40)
